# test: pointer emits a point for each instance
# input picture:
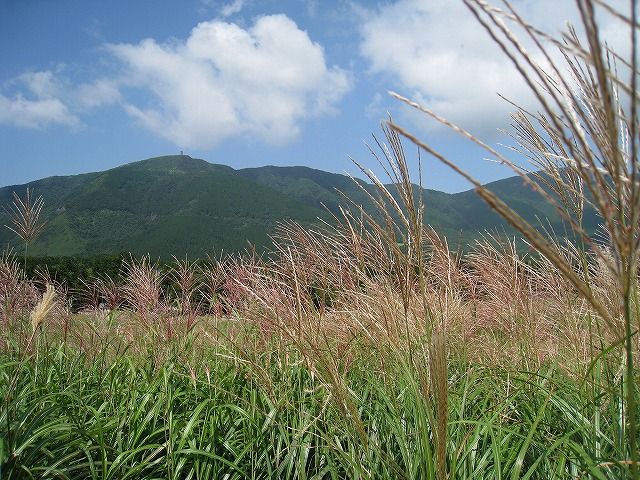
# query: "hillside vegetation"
(177, 205)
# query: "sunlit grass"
(363, 348)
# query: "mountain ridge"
(178, 205)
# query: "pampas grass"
(44, 307)
(366, 348)
(24, 215)
(585, 142)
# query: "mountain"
(460, 216)
(162, 206)
(181, 205)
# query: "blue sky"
(87, 85)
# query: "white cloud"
(232, 8)
(101, 92)
(39, 113)
(45, 98)
(42, 84)
(438, 53)
(41, 108)
(225, 81)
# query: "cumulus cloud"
(34, 113)
(45, 98)
(222, 81)
(436, 52)
(40, 107)
(225, 81)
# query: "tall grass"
(346, 353)
(82, 417)
(585, 141)
(365, 347)
(24, 215)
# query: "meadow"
(365, 347)
(319, 363)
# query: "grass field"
(315, 364)
(363, 348)
(74, 415)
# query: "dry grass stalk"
(142, 289)
(585, 141)
(110, 292)
(16, 294)
(213, 277)
(24, 214)
(43, 308)
(440, 393)
(186, 277)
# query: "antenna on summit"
(181, 152)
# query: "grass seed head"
(43, 308)
(24, 214)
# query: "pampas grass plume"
(43, 308)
